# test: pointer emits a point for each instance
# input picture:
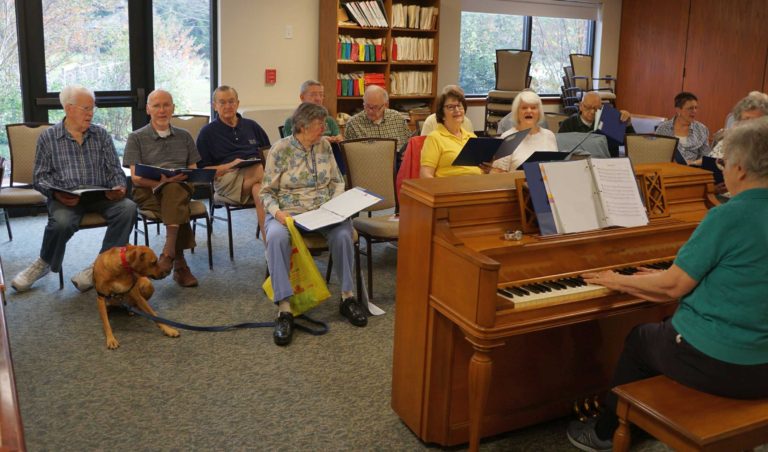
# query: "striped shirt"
(697, 143)
(62, 162)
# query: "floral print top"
(298, 180)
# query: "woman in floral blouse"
(300, 175)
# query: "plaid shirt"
(697, 144)
(61, 162)
(391, 126)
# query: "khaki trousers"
(171, 205)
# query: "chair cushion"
(380, 226)
(13, 196)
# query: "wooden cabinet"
(330, 65)
(717, 50)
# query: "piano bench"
(686, 419)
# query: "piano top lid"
(446, 191)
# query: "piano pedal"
(577, 410)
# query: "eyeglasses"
(454, 107)
(591, 107)
(720, 163)
(85, 109)
(161, 106)
(370, 107)
(226, 102)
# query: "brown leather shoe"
(184, 277)
(165, 264)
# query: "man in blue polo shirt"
(227, 141)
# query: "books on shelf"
(406, 48)
(367, 13)
(585, 195)
(194, 175)
(354, 83)
(337, 209)
(349, 48)
(414, 16)
(410, 83)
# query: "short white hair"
(69, 94)
(373, 90)
(529, 97)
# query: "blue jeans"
(339, 237)
(64, 221)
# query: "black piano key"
(507, 292)
(554, 285)
(531, 288)
(542, 287)
(519, 291)
(567, 282)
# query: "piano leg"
(480, 370)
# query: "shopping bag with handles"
(309, 289)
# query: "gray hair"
(223, 89)
(68, 95)
(747, 144)
(306, 85)
(753, 101)
(529, 97)
(307, 113)
(375, 89)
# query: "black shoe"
(283, 328)
(352, 310)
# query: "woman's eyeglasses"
(454, 107)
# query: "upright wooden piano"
(471, 362)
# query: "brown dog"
(121, 275)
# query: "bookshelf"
(423, 61)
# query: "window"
(10, 94)
(551, 39)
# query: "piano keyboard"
(564, 289)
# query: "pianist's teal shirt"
(726, 315)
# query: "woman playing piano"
(717, 341)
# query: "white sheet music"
(337, 209)
(619, 194)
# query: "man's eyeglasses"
(454, 107)
(591, 107)
(85, 109)
(226, 102)
(373, 107)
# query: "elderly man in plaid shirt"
(71, 154)
(377, 120)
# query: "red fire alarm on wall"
(270, 76)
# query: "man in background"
(160, 144)
(377, 120)
(70, 154)
(584, 120)
(226, 142)
(313, 92)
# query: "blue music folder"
(539, 198)
(609, 124)
(477, 151)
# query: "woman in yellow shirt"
(443, 144)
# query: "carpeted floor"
(208, 391)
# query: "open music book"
(337, 209)
(81, 190)
(194, 175)
(591, 194)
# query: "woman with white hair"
(529, 115)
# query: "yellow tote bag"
(309, 289)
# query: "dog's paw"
(112, 343)
(171, 332)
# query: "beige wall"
(252, 38)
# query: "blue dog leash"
(315, 332)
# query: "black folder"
(545, 156)
(710, 164)
(485, 150)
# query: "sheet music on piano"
(592, 194)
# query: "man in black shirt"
(584, 120)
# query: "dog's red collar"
(124, 261)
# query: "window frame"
(527, 40)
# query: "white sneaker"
(24, 280)
(83, 281)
